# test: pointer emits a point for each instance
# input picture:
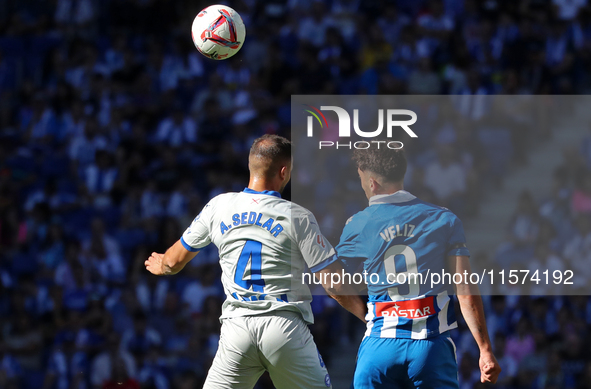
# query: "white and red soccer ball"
(218, 32)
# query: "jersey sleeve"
(456, 244)
(315, 248)
(348, 247)
(198, 235)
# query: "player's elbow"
(170, 265)
(337, 289)
(331, 291)
(467, 298)
(333, 279)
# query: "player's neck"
(387, 189)
(260, 184)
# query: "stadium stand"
(114, 131)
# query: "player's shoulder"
(356, 224)
(301, 219)
(299, 213)
(442, 214)
(209, 210)
(222, 198)
(360, 217)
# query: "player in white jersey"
(265, 243)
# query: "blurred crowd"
(114, 131)
(543, 342)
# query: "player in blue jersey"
(398, 239)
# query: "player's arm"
(179, 254)
(473, 312)
(171, 262)
(323, 263)
(343, 293)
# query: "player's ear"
(283, 172)
(373, 184)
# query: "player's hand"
(155, 265)
(489, 368)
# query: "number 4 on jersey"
(251, 252)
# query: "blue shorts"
(406, 363)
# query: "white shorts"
(279, 342)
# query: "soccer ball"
(218, 32)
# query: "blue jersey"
(400, 241)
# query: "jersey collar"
(265, 192)
(400, 196)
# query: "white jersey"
(264, 244)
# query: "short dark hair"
(386, 162)
(268, 153)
